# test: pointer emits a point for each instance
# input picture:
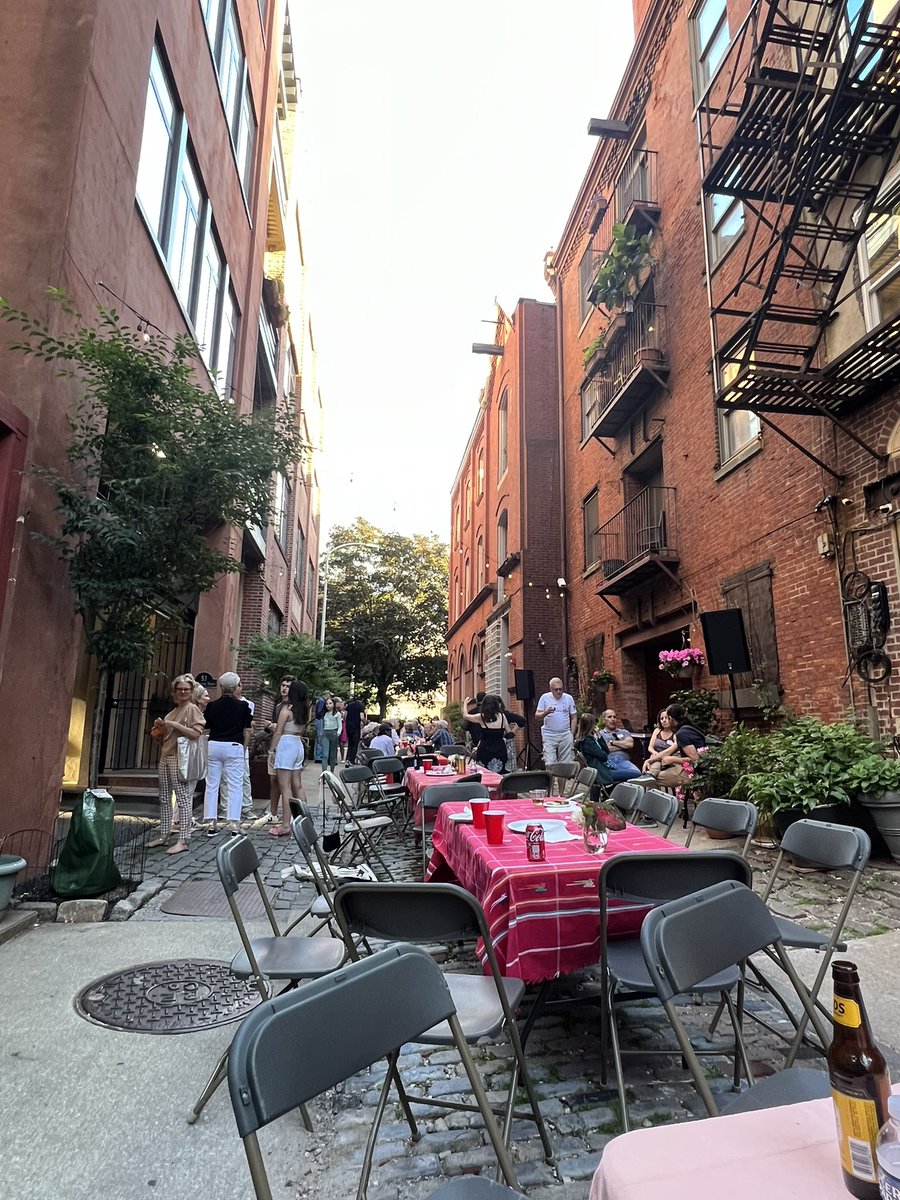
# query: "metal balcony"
(635, 199)
(637, 546)
(634, 367)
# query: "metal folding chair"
(519, 783)
(486, 1004)
(735, 817)
(297, 1046)
(832, 848)
(565, 772)
(639, 881)
(356, 828)
(456, 748)
(712, 933)
(264, 959)
(437, 794)
(394, 795)
(658, 806)
(625, 797)
(323, 879)
(368, 800)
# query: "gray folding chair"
(437, 794)
(264, 959)
(519, 783)
(297, 1046)
(735, 817)
(639, 881)
(368, 800)
(832, 848)
(713, 933)
(486, 1004)
(393, 794)
(658, 806)
(585, 779)
(366, 755)
(323, 879)
(564, 772)
(356, 828)
(625, 796)
(457, 748)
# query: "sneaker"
(271, 818)
(211, 831)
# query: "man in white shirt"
(557, 713)
(384, 742)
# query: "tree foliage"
(299, 655)
(387, 609)
(157, 462)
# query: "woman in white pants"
(228, 721)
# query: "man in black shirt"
(354, 717)
(228, 720)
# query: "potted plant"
(700, 706)
(877, 784)
(619, 275)
(593, 350)
(681, 663)
(600, 680)
(11, 865)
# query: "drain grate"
(181, 996)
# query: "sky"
(441, 150)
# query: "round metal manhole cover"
(181, 996)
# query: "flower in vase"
(601, 816)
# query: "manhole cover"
(168, 997)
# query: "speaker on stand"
(727, 652)
(525, 693)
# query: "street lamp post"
(326, 559)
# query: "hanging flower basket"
(681, 663)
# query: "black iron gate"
(137, 698)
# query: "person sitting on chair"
(384, 743)
(441, 736)
(594, 752)
(689, 742)
(618, 742)
(661, 742)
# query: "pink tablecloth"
(787, 1153)
(417, 781)
(544, 917)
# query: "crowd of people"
(204, 740)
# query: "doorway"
(659, 686)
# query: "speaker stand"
(530, 751)
(734, 703)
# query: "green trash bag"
(86, 866)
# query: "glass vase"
(595, 839)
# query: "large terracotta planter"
(10, 866)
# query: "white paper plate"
(562, 809)
(548, 825)
(462, 818)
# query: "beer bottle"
(859, 1084)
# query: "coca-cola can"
(535, 850)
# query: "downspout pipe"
(560, 421)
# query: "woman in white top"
(185, 720)
(332, 724)
(287, 751)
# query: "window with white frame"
(223, 29)
(738, 428)
(281, 509)
(590, 510)
(590, 406)
(300, 562)
(479, 564)
(177, 211)
(502, 550)
(710, 39)
(585, 280)
(880, 253)
(726, 224)
(479, 490)
(468, 499)
(503, 434)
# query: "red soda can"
(534, 843)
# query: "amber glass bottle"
(859, 1083)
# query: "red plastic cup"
(426, 765)
(494, 824)
(479, 808)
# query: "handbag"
(193, 757)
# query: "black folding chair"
(735, 817)
(565, 772)
(486, 1004)
(625, 797)
(658, 806)
(520, 783)
(264, 959)
(357, 828)
(296, 1047)
(712, 933)
(437, 794)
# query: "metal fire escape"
(800, 123)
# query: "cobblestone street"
(563, 1048)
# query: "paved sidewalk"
(136, 1089)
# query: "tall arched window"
(461, 689)
(467, 590)
(468, 499)
(479, 489)
(479, 565)
(502, 434)
(502, 548)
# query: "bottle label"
(888, 1185)
(846, 1012)
(857, 1127)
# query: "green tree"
(157, 463)
(300, 655)
(387, 609)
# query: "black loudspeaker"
(524, 685)
(726, 642)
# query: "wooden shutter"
(751, 592)
(593, 654)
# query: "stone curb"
(138, 898)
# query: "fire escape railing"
(645, 526)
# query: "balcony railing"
(635, 198)
(638, 539)
(635, 365)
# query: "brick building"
(153, 175)
(703, 472)
(505, 608)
